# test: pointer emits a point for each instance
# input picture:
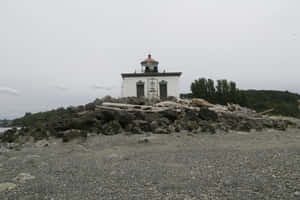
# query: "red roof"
(149, 60)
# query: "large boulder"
(192, 125)
(207, 127)
(191, 115)
(10, 135)
(207, 114)
(111, 128)
(171, 115)
(123, 117)
(280, 125)
(142, 125)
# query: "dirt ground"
(236, 165)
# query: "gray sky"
(68, 52)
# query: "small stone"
(7, 186)
(42, 143)
(143, 140)
(297, 194)
(23, 177)
(114, 156)
(31, 159)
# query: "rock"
(39, 134)
(150, 117)
(297, 193)
(25, 139)
(72, 134)
(143, 125)
(161, 131)
(42, 143)
(111, 128)
(9, 136)
(3, 149)
(7, 186)
(171, 115)
(123, 117)
(243, 126)
(206, 114)
(143, 140)
(280, 125)
(136, 130)
(23, 177)
(154, 125)
(191, 116)
(31, 159)
(192, 125)
(163, 122)
(114, 156)
(206, 127)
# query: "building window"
(140, 89)
(163, 90)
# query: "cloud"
(9, 91)
(99, 87)
(62, 88)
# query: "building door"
(163, 90)
(140, 89)
(152, 91)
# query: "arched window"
(140, 89)
(163, 89)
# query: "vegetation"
(224, 92)
(283, 103)
(30, 120)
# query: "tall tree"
(199, 88)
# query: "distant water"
(3, 129)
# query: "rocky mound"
(109, 116)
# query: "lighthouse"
(151, 82)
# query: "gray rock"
(154, 125)
(23, 177)
(72, 134)
(192, 125)
(297, 193)
(143, 140)
(161, 131)
(7, 186)
(112, 128)
(42, 143)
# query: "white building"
(151, 83)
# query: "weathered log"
(120, 105)
(266, 111)
(202, 103)
(108, 108)
(153, 110)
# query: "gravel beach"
(236, 165)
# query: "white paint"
(129, 85)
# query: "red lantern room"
(150, 65)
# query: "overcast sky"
(69, 52)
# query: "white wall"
(129, 85)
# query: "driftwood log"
(126, 106)
(132, 109)
(266, 111)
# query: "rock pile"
(109, 116)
